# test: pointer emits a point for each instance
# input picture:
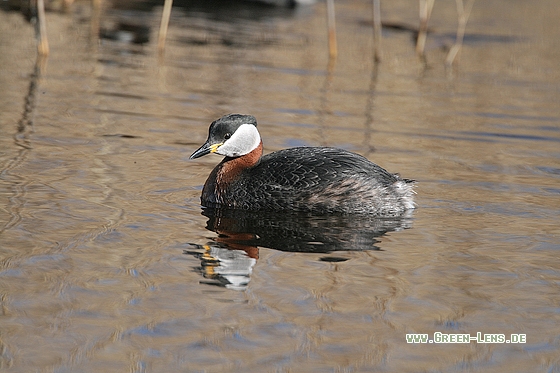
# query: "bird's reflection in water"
(228, 260)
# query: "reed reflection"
(229, 259)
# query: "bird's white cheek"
(229, 150)
(244, 140)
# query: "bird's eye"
(227, 135)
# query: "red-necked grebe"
(313, 179)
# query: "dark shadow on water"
(222, 10)
(233, 23)
(300, 232)
(228, 259)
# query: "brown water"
(107, 264)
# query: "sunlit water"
(108, 264)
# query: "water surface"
(108, 263)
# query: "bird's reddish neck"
(226, 172)
(230, 168)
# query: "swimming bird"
(305, 179)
